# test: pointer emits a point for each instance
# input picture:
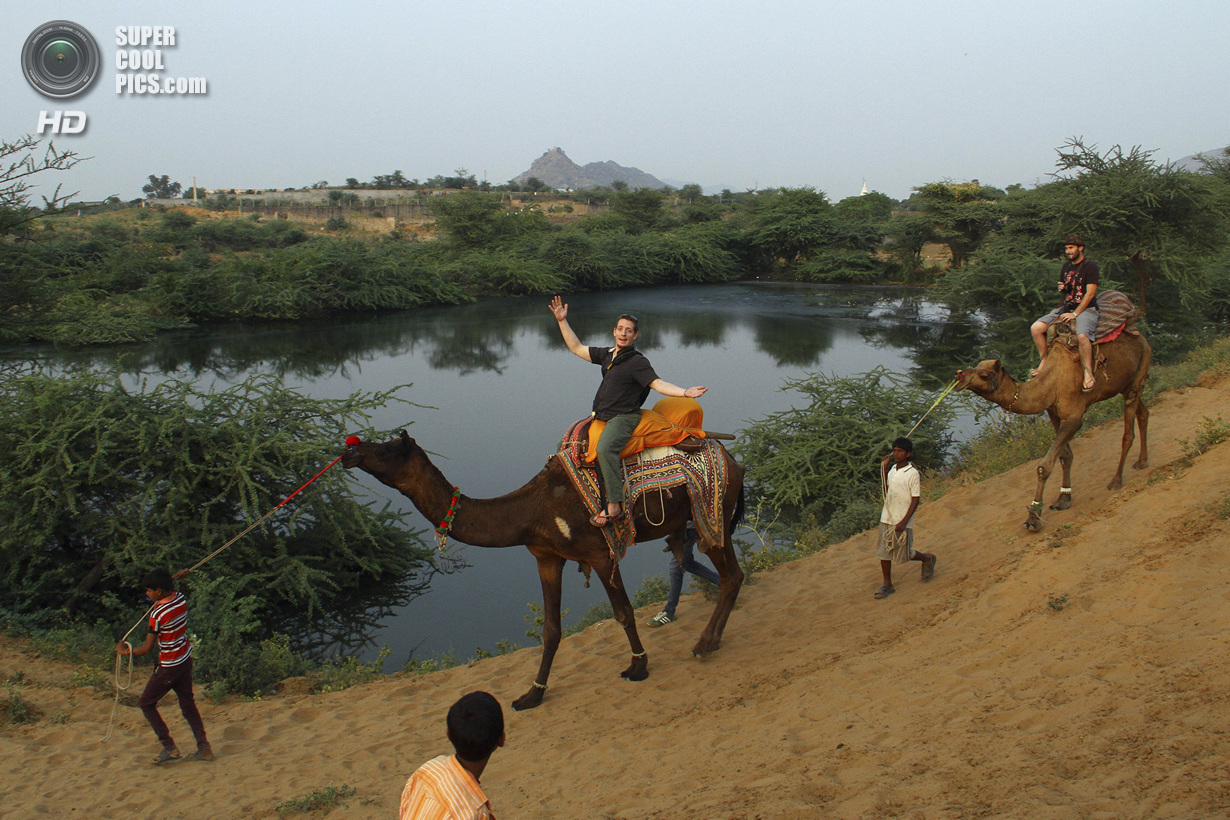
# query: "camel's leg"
(731, 574)
(1142, 423)
(1131, 404)
(551, 573)
(1067, 429)
(1064, 500)
(614, 583)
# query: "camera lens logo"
(60, 59)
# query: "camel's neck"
(1029, 398)
(480, 522)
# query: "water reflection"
(487, 364)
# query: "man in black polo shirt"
(627, 378)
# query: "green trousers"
(613, 439)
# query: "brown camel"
(1120, 369)
(548, 518)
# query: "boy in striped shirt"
(446, 787)
(168, 623)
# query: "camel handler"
(1078, 287)
(627, 378)
(902, 489)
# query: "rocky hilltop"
(555, 169)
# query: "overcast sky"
(740, 95)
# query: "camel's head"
(376, 458)
(985, 379)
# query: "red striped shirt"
(169, 621)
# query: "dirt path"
(1078, 672)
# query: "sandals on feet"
(1088, 383)
(928, 567)
(166, 757)
(884, 592)
(601, 519)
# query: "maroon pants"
(165, 679)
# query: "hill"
(557, 170)
(1077, 672)
(1192, 163)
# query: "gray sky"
(725, 94)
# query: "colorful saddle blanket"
(652, 470)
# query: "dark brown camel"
(548, 518)
(1120, 369)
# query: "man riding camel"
(627, 378)
(1078, 287)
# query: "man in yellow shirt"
(446, 787)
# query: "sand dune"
(1079, 672)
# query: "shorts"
(1086, 323)
(894, 546)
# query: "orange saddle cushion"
(670, 421)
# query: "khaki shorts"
(894, 546)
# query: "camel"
(1120, 368)
(548, 517)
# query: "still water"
(500, 388)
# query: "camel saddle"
(672, 422)
(667, 449)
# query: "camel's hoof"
(704, 648)
(529, 700)
(639, 670)
(1140, 465)
(1062, 503)
(1031, 525)
(1115, 485)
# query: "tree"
(642, 207)
(961, 215)
(788, 224)
(691, 193)
(18, 166)
(161, 187)
(1137, 216)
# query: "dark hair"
(905, 444)
(636, 323)
(158, 579)
(475, 726)
(1075, 239)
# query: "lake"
(502, 388)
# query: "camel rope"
(936, 404)
(661, 495)
(118, 663)
(123, 687)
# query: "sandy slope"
(971, 696)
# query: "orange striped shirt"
(442, 789)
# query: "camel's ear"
(406, 441)
(997, 366)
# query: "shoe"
(928, 567)
(205, 754)
(166, 756)
(884, 592)
(661, 619)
